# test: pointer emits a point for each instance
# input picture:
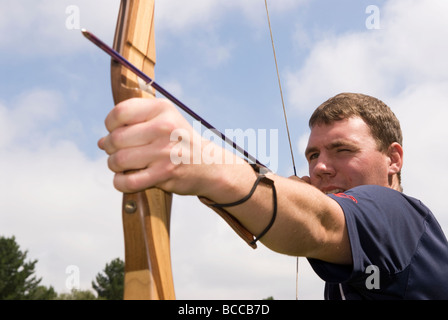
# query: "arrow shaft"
(124, 62)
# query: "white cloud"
(342, 63)
(219, 264)
(423, 110)
(28, 113)
(36, 28)
(408, 50)
(46, 26)
(60, 207)
(57, 203)
(201, 23)
(180, 16)
(413, 42)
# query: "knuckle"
(110, 163)
(116, 138)
(117, 161)
(134, 182)
(169, 176)
(161, 103)
(166, 125)
(166, 174)
(121, 111)
(126, 183)
(167, 104)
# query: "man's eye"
(313, 156)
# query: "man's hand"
(140, 146)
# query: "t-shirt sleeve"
(383, 231)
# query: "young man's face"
(344, 155)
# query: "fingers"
(136, 158)
(138, 143)
(306, 179)
(133, 181)
(137, 180)
(136, 122)
(135, 111)
(101, 143)
(127, 137)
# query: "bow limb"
(146, 215)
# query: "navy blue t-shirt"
(399, 250)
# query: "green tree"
(17, 279)
(109, 285)
(43, 293)
(77, 295)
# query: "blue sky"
(56, 191)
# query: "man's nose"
(323, 167)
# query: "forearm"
(297, 228)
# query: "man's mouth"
(332, 191)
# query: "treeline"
(18, 280)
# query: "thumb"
(306, 179)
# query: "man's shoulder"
(372, 188)
(369, 193)
(383, 208)
(381, 194)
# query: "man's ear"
(395, 154)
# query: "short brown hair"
(383, 123)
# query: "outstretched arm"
(140, 144)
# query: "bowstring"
(286, 123)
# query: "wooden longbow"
(146, 215)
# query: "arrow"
(150, 82)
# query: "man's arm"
(308, 222)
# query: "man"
(364, 237)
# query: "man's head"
(355, 139)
